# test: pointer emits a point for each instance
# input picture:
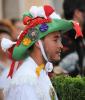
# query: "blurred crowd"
(73, 54)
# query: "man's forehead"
(57, 33)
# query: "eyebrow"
(57, 36)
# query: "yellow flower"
(38, 69)
(26, 41)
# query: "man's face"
(52, 45)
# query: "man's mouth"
(58, 53)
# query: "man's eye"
(55, 40)
(58, 40)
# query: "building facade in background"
(15, 8)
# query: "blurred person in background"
(7, 30)
(73, 51)
(12, 29)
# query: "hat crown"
(48, 10)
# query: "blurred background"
(15, 8)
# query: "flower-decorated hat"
(39, 22)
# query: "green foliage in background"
(69, 88)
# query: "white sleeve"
(23, 92)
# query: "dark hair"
(69, 7)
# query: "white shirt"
(26, 85)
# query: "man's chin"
(57, 59)
(54, 61)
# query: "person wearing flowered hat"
(39, 46)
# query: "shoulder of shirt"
(26, 73)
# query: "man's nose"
(61, 45)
